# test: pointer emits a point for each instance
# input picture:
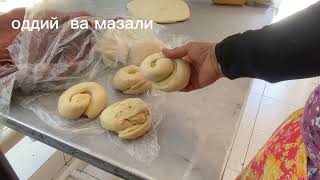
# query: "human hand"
(205, 68)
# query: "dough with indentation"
(130, 118)
(166, 74)
(87, 98)
(160, 11)
(129, 80)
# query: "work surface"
(197, 128)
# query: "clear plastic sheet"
(50, 61)
(7, 78)
(144, 149)
(114, 44)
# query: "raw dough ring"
(88, 98)
(130, 118)
(166, 74)
(129, 80)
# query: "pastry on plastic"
(129, 118)
(166, 74)
(87, 98)
(129, 81)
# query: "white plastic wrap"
(7, 78)
(50, 61)
(115, 44)
(144, 149)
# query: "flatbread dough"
(160, 11)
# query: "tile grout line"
(237, 130)
(298, 106)
(236, 133)
(64, 158)
(262, 95)
(233, 169)
(42, 166)
(89, 175)
(66, 162)
(82, 169)
(279, 101)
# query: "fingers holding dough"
(88, 98)
(129, 80)
(166, 74)
(130, 118)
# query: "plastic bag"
(144, 149)
(7, 78)
(115, 45)
(50, 61)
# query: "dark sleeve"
(289, 49)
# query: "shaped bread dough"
(141, 50)
(130, 118)
(88, 98)
(166, 74)
(160, 11)
(129, 80)
(113, 46)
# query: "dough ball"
(160, 11)
(140, 50)
(129, 80)
(166, 74)
(130, 118)
(113, 46)
(88, 98)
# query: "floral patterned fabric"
(311, 133)
(282, 157)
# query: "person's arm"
(289, 49)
